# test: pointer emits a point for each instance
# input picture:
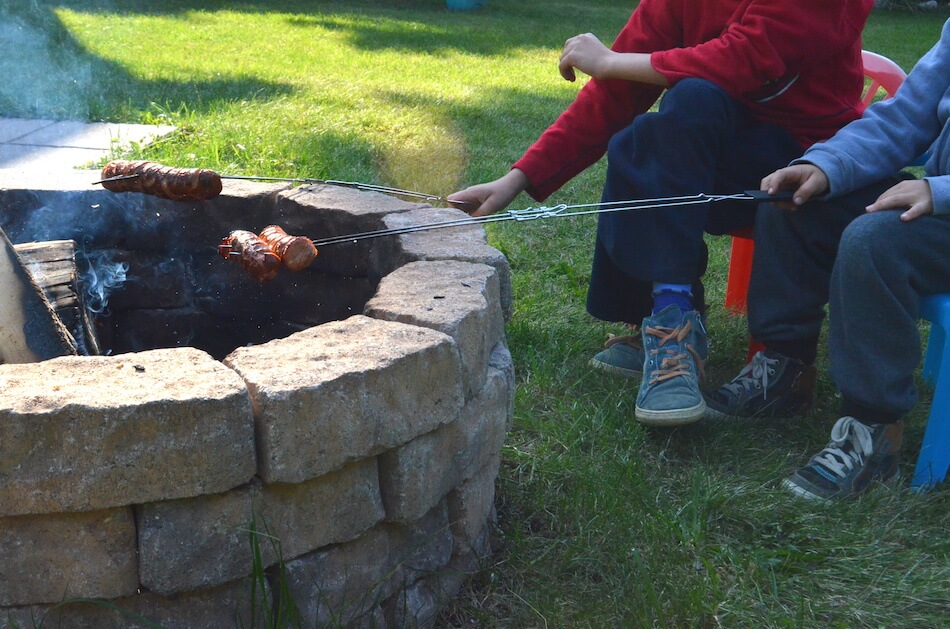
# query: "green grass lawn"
(602, 522)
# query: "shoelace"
(673, 365)
(851, 441)
(755, 374)
(633, 340)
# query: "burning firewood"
(29, 329)
(52, 267)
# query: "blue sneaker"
(857, 456)
(676, 348)
(623, 355)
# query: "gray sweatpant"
(876, 278)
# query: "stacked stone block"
(360, 455)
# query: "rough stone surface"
(416, 476)
(458, 298)
(327, 510)
(472, 504)
(49, 558)
(336, 586)
(500, 360)
(323, 211)
(224, 606)
(425, 546)
(346, 583)
(195, 543)
(418, 604)
(344, 391)
(165, 423)
(426, 587)
(466, 244)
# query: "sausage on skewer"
(252, 253)
(295, 252)
(177, 184)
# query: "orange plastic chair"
(883, 74)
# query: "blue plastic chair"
(934, 459)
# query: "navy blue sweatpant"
(700, 140)
(872, 276)
(884, 267)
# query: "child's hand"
(913, 196)
(807, 179)
(587, 54)
(487, 198)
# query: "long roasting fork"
(366, 187)
(564, 211)
(527, 214)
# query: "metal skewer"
(562, 211)
(116, 178)
(366, 187)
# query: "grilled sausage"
(295, 252)
(177, 184)
(252, 253)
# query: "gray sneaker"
(623, 355)
(771, 385)
(675, 346)
(857, 456)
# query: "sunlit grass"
(602, 523)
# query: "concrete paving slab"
(13, 128)
(47, 159)
(97, 135)
(50, 145)
(34, 179)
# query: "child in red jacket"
(749, 85)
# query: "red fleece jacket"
(794, 63)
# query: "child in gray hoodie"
(891, 256)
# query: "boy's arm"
(580, 135)
(893, 132)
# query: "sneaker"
(675, 347)
(857, 455)
(623, 355)
(771, 385)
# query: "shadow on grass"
(47, 73)
(425, 26)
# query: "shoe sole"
(712, 413)
(672, 417)
(619, 371)
(801, 492)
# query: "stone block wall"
(361, 452)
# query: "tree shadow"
(49, 74)
(421, 25)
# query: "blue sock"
(679, 295)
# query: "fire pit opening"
(356, 409)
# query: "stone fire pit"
(353, 414)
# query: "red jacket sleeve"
(580, 135)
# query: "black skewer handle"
(762, 196)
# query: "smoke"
(41, 76)
(96, 228)
(101, 277)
